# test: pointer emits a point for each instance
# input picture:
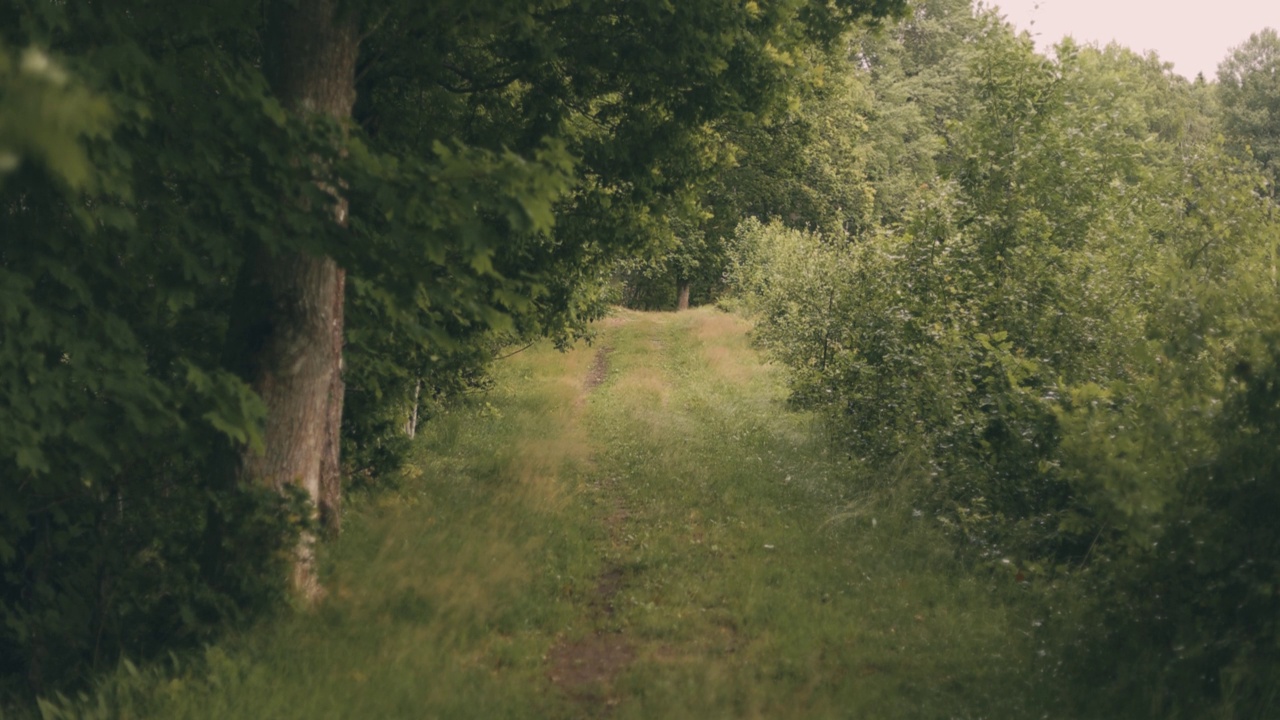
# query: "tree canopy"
(1056, 333)
(246, 246)
(221, 222)
(1249, 89)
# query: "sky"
(1194, 35)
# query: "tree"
(1062, 345)
(287, 344)
(804, 166)
(286, 329)
(855, 148)
(412, 180)
(1249, 91)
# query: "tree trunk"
(286, 333)
(330, 501)
(411, 425)
(682, 299)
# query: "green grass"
(678, 509)
(765, 585)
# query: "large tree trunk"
(330, 500)
(682, 298)
(286, 336)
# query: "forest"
(258, 257)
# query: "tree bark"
(286, 333)
(330, 501)
(682, 298)
(411, 425)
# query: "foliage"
(116, 537)
(1048, 328)
(46, 112)
(501, 156)
(804, 166)
(1249, 90)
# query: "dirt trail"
(723, 586)
(650, 360)
(599, 370)
(585, 669)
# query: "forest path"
(636, 529)
(739, 573)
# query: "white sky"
(1194, 35)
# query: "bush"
(1071, 332)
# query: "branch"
(471, 86)
(517, 352)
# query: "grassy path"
(638, 529)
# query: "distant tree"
(1249, 91)
(803, 165)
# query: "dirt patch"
(614, 523)
(599, 369)
(585, 669)
(607, 587)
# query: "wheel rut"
(585, 669)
